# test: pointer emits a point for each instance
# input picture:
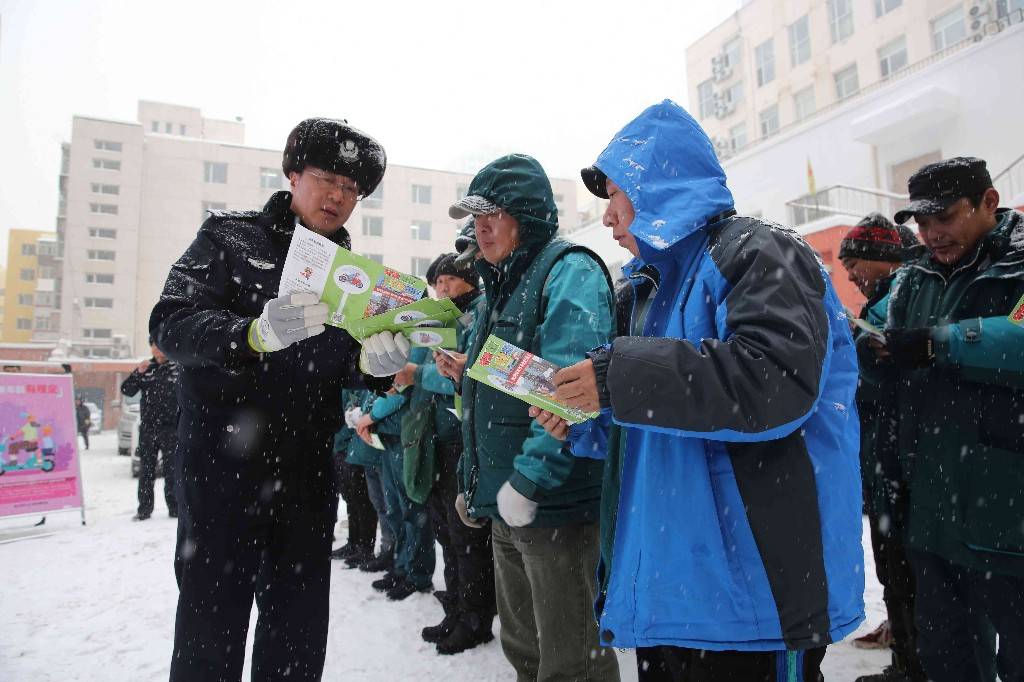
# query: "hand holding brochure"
(870, 329)
(523, 375)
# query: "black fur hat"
(335, 146)
(446, 264)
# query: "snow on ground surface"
(97, 603)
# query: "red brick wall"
(826, 243)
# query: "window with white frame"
(419, 266)
(734, 94)
(764, 59)
(271, 178)
(840, 19)
(107, 209)
(99, 254)
(215, 172)
(99, 278)
(948, 29)
(420, 230)
(106, 164)
(706, 98)
(97, 333)
(45, 299)
(102, 233)
(886, 6)
(182, 129)
(107, 145)
(803, 103)
(892, 56)
(799, 41)
(847, 83)
(373, 226)
(27, 275)
(421, 194)
(24, 324)
(96, 352)
(376, 199)
(769, 120)
(732, 51)
(155, 126)
(168, 128)
(43, 324)
(28, 249)
(100, 188)
(48, 248)
(375, 257)
(738, 137)
(26, 299)
(47, 272)
(96, 302)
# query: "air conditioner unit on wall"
(978, 15)
(720, 69)
(723, 106)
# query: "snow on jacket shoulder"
(739, 416)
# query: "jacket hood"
(666, 165)
(518, 184)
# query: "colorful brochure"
(431, 337)
(353, 287)
(425, 312)
(523, 375)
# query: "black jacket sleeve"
(137, 381)
(758, 382)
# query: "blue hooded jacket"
(738, 519)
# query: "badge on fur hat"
(348, 150)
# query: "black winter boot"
(470, 631)
(359, 557)
(406, 589)
(381, 562)
(387, 582)
(343, 552)
(435, 633)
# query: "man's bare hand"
(363, 429)
(451, 366)
(552, 423)
(577, 386)
(143, 366)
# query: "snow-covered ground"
(97, 603)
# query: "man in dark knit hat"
(871, 252)
(260, 401)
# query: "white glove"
(352, 416)
(516, 509)
(384, 354)
(287, 319)
(460, 507)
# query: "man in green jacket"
(954, 333)
(553, 299)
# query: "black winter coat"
(158, 407)
(255, 431)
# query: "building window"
(24, 324)
(271, 178)
(948, 29)
(96, 352)
(461, 192)
(212, 206)
(168, 128)
(419, 266)
(846, 82)
(706, 97)
(47, 272)
(47, 248)
(42, 324)
(375, 200)
(26, 299)
(28, 249)
(94, 333)
(108, 209)
(734, 94)
(764, 57)
(98, 254)
(559, 200)
(98, 278)
(732, 51)
(106, 164)
(738, 137)
(799, 41)
(107, 145)
(420, 230)
(92, 302)
(27, 275)
(886, 6)
(421, 194)
(373, 226)
(375, 257)
(892, 57)
(840, 19)
(44, 299)
(155, 126)
(803, 103)
(770, 120)
(215, 171)
(99, 188)
(102, 233)
(181, 129)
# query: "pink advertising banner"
(39, 466)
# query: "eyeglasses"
(348, 190)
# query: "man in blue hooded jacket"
(732, 524)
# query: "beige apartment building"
(30, 287)
(775, 63)
(133, 194)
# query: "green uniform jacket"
(961, 434)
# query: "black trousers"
(153, 441)
(675, 664)
(362, 517)
(468, 558)
(892, 567)
(281, 561)
(84, 433)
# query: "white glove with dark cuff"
(352, 416)
(384, 354)
(515, 508)
(287, 319)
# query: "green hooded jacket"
(554, 299)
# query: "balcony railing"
(843, 200)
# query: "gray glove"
(384, 354)
(287, 319)
(352, 416)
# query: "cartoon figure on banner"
(26, 439)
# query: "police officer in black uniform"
(260, 402)
(157, 378)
